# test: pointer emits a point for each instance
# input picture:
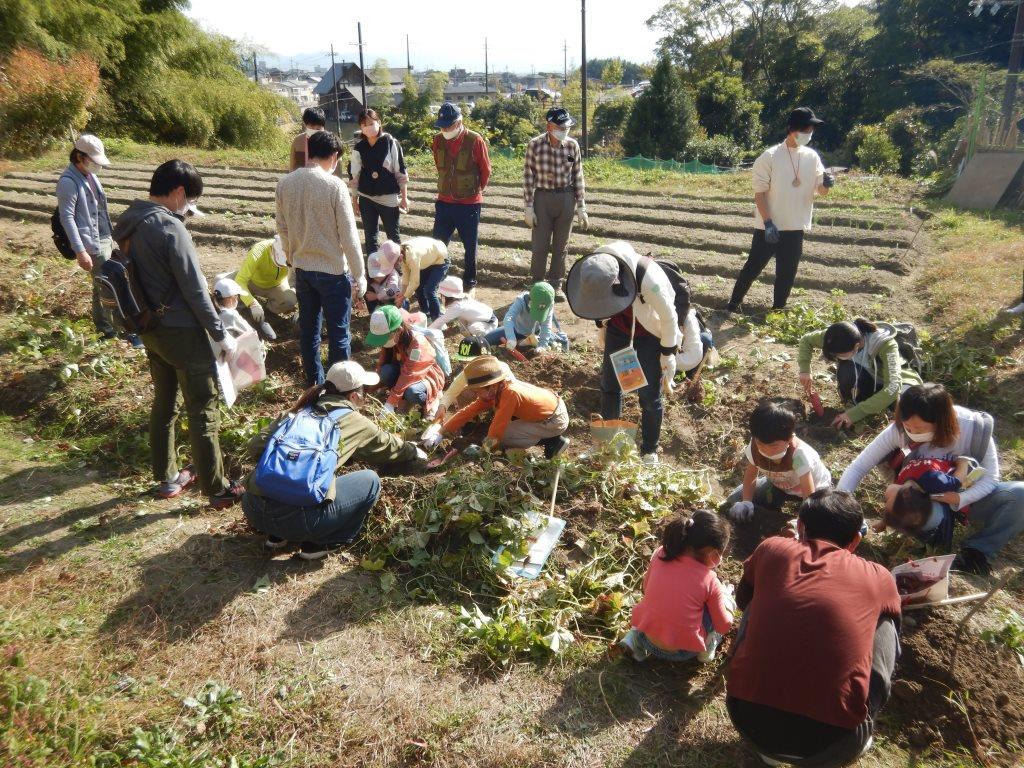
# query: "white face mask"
(921, 437)
(776, 456)
(803, 139)
(311, 131)
(561, 135)
(451, 133)
(373, 129)
(92, 166)
(181, 209)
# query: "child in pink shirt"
(685, 609)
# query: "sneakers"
(629, 642)
(274, 543)
(311, 551)
(170, 489)
(971, 561)
(228, 497)
(134, 340)
(1017, 310)
(709, 655)
(553, 445)
(559, 295)
(649, 459)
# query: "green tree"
(726, 108)
(381, 97)
(434, 87)
(663, 119)
(612, 72)
(610, 118)
(877, 153)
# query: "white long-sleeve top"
(691, 350)
(657, 311)
(892, 437)
(474, 317)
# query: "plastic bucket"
(604, 430)
(929, 568)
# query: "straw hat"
(484, 371)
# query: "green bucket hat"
(542, 299)
(383, 322)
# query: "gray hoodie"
(168, 267)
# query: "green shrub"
(41, 100)
(877, 153)
(610, 118)
(718, 150)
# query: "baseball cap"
(447, 114)
(472, 347)
(542, 299)
(374, 270)
(93, 147)
(349, 375)
(560, 116)
(383, 322)
(226, 287)
(803, 117)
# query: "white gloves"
(431, 436)
(730, 596)
(421, 454)
(389, 408)
(359, 288)
(257, 311)
(582, 220)
(227, 346)
(668, 371)
(510, 343)
(530, 216)
(742, 511)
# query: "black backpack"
(679, 285)
(121, 292)
(60, 237)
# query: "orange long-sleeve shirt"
(518, 400)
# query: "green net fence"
(642, 163)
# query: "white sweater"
(691, 351)
(891, 438)
(657, 311)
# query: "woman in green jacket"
(870, 372)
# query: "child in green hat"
(531, 314)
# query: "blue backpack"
(299, 461)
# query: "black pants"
(798, 740)
(373, 215)
(648, 351)
(856, 384)
(787, 254)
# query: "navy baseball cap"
(802, 118)
(559, 116)
(447, 114)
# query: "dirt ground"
(372, 679)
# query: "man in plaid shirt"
(553, 193)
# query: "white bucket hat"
(451, 287)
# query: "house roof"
(335, 74)
(464, 88)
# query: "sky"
(522, 35)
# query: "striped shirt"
(551, 167)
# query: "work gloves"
(256, 311)
(530, 216)
(260, 318)
(389, 408)
(431, 436)
(266, 332)
(421, 454)
(668, 372)
(828, 180)
(359, 288)
(771, 232)
(582, 220)
(510, 344)
(227, 346)
(742, 511)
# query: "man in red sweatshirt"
(463, 168)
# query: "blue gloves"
(828, 180)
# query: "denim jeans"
(426, 293)
(449, 217)
(415, 394)
(333, 522)
(648, 351)
(322, 297)
(497, 337)
(373, 215)
(644, 646)
(1001, 516)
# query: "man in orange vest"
(463, 168)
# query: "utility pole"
(583, 73)
(255, 70)
(487, 85)
(1012, 69)
(334, 86)
(565, 63)
(362, 71)
(408, 60)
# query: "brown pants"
(523, 434)
(555, 212)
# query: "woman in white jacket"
(928, 425)
(603, 287)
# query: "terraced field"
(859, 248)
